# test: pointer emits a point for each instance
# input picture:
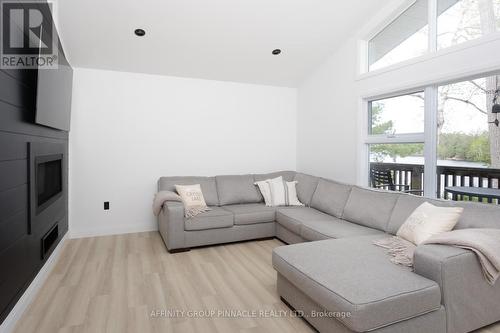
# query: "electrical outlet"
(106, 205)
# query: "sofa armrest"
(171, 225)
(171, 193)
(470, 302)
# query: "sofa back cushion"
(405, 206)
(478, 215)
(306, 185)
(475, 215)
(237, 189)
(331, 197)
(371, 208)
(207, 184)
(288, 176)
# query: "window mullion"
(430, 145)
(432, 18)
(363, 154)
(401, 138)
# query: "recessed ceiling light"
(139, 32)
(276, 51)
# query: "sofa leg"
(186, 249)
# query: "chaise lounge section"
(333, 272)
(348, 285)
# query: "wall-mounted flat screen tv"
(53, 101)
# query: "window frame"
(390, 16)
(409, 138)
(431, 38)
(429, 137)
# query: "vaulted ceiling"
(228, 40)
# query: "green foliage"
(465, 147)
(377, 126)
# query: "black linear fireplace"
(48, 181)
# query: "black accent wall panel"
(13, 201)
(16, 93)
(20, 252)
(17, 171)
(20, 246)
(13, 229)
(21, 264)
(13, 147)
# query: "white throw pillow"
(265, 190)
(429, 220)
(277, 188)
(192, 198)
(276, 192)
(291, 194)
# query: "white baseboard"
(30, 293)
(107, 231)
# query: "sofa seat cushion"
(251, 213)
(293, 217)
(215, 218)
(314, 230)
(352, 275)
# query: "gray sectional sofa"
(333, 272)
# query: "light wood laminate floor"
(123, 283)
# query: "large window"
(454, 147)
(451, 23)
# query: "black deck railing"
(413, 176)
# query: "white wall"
(129, 129)
(330, 114)
(327, 119)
